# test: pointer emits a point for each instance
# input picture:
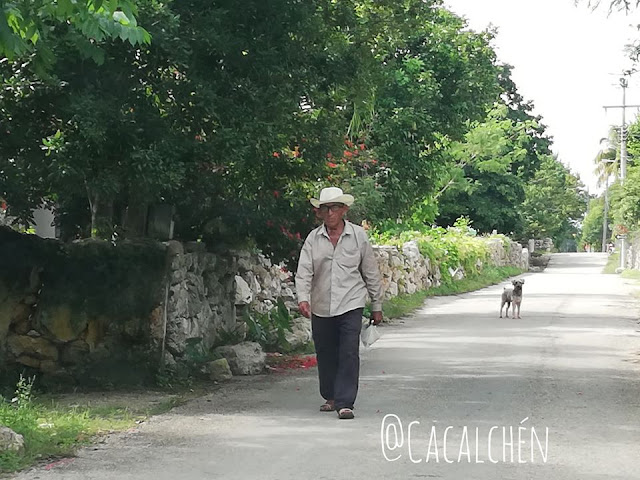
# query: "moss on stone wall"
(84, 303)
(96, 278)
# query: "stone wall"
(632, 258)
(543, 245)
(199, 297)
(80, 311)
(68, 312)
(404, 271)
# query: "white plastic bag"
(369, 334)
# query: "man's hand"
(376, 317)
(305, 309)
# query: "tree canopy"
(34, 27)
(237, 116)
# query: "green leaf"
(121, 18)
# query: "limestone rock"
(219, 370)
(62, 322)
(246, 358)
(412, 251)
(174, 248)
(37, 347)
(28, 361)
(10, 440)
(156, 323)
(244, 295)
(300, 334)
(75, 353)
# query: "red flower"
(276, 194)
(347, 153)
(348, 143)
(374, 161)
(329, 155)
(362, 146)
(3, 206)
(331, 165)
(276, 154)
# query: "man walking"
(336, 271)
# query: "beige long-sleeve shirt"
(337, 280)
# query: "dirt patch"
(140, 402)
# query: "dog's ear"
(522, 281)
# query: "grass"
(52, 430)
(631, 274)
(56, 432)
(613, 262)
(404, 304)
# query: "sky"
(568, 60)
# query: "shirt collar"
(348, 229)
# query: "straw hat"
(332, 195)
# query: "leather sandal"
(345, 414)
(328, 406)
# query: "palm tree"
(608, 159)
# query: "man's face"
(332, 213)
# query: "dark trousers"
(337, 342)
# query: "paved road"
(569, 365)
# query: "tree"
(593, 224)
(484, 183)
(607, 160)
(237, 116)
(621, 5)
(537, 144)
(498, 156)
(29, 27)
(555, 201)
(437, 77)
(80, 118)
(625, 202)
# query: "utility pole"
(624, 83)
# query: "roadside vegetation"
(403, 305)
(457, 249)
(53, 429)
(613, 262)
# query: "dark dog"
(512, 295)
